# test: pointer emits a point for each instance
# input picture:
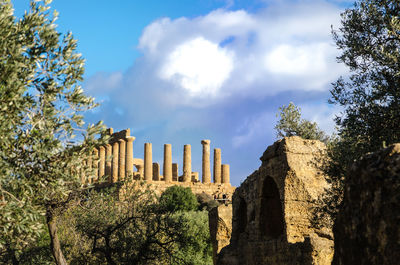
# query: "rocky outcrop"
(272, 209)
(220, 222)
(367, 229)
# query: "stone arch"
(242, 215)
(271, 222)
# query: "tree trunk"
(108, 251)
(55, 242)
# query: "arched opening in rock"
(242, 215)
(271, 216)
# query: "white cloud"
(199, 66)
(322, 114)
(287, 46)
(297, 60)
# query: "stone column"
(187, 163)
(102, 155)
(95, 164)
(225, 173)
(83, 169)
(167, 163)
(175, 172)
(90, 171)
(121, 159)
(129, 155)
(108, 161)
(217, 165)
(115, 152)
(206, 177)
(156, 171)
(148, 162)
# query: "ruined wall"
(272, 209)
(220, 223)
(367, 229)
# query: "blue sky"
(182, 71)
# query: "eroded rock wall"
(272, 209)
(367, 229)
(220, 223)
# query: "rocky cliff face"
(220, 222)
(272, 209)
(367, 229)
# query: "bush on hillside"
(178, 198)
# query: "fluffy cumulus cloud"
(224, 75)
(227, 52)
(189, 66)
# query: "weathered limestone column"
(206, 177)
(174, 172)
(156, 171)
(217, 165)
(95, 166)
(108, 161)
(225, 173)
(167, 163)
(83, 169)
(129, 155)
(148, 162)
(115, 152)
(102, 155)
(90, 166)
(187, 163)
(121, 159)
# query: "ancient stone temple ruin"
(116, 162)
(272, 210)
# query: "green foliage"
(116, 230)
(291, 124)
(41, 107)
(131, 229)
(39, 252)
(194, 242)
(178, 198)
(369, 39)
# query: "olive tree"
(41, 107)
(291, 124)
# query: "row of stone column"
(114, 160)
(170, 170)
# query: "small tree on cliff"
(40, 113)
(291, 124)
